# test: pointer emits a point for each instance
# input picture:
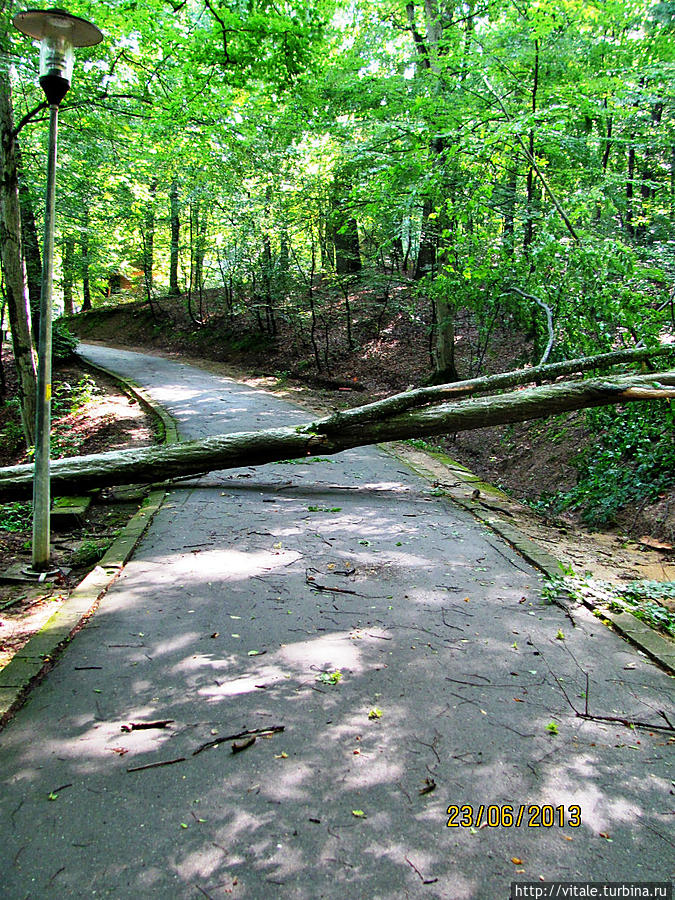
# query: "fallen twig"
(12, 602)
(141, 726)
(422, 878)
(309, 580)
(630, 723)
(261, 732)
(156, 765)
(619, 720)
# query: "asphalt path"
(409, 658)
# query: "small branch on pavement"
(156, 765)
(422, 878)
(141, 726)
(261, 732)
(619, 720)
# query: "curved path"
(251, 590)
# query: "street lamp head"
(59, 33)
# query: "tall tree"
(12, 258)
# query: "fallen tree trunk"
(398, 403)
(232, 451)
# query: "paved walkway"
(252, 592)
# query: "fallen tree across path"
(332, 434)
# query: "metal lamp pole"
(59, 33)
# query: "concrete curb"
(169, 425)
(656, 646)
(36, 658)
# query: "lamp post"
(58, 33)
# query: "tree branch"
(29, 116)
(532, 161)
(549, 320)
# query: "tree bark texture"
(68, 270)
(84, 250)
(149, 238)
(175, 241)
(331, 435)
(30, 246)
(12, 263)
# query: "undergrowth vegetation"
(631, 458)
(647, 600)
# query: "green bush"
(64, 342)
(632, 459)
(15, 517)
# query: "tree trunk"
(12, 264)
(426, 255)
(30, 246)
(444, 356)
(647, 185)
(511, 190)
(331, 435)
(629, 190)
(267, 273)
(607, 142)
(84, 250)
(68, 270)
(528, 236)
(3, 380)
(175, 241)
(347, 246)
(149, 239)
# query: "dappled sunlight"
(174, 645)
(285, 861)
(577, 782)
(302, 660)
(258, 777)
(243, 684)
(371, 769)
(199, 863)
(238, 825)
(292, 781)
(200, 661)
(175, 393)
(331, 651)
(228, 564)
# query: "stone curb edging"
(658, 647)
(36, 658)
(169, 424)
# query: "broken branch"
(262, 732)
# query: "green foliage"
(632, 458)
(64, 342)
(645, 599)
(330, 677)
(69, 399)
(89, 552)
(272, 133)
(12, 437)
(16, 517)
